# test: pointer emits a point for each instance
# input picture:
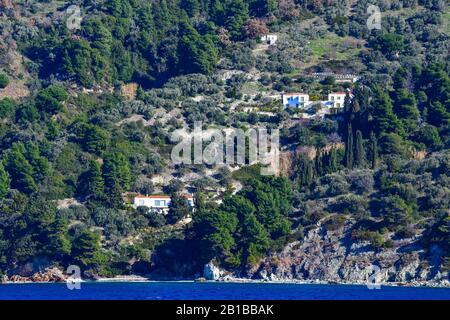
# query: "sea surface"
(214, 291)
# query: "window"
(160, 203)
(332, 98)
(141, 202)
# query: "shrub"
(50, 98)
(6, 107)
(331, 185)
(4, 81)
(335, 223)
(394, 210)
(429, 136)
(405, 232)
(313, 217)
(374, 237)
(352, 204)
(361, 181)
(156, 219)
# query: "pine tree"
(383, 118)
(236, 16)
(39, 163)
(406, 109)
(438, 114)
(117, 176)
(199, 201)
(256, 240)
(95, 182)
(217, 12)
(5, 181)
(349, 147)
(178, 209)
(116, 171)
(192, 7)
(57, 242)
(197, 53)
(360, 156)
(20, 170)
(86, 249)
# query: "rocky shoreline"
(322, 257)
(24, 280)
(49, 275)
(212, 274)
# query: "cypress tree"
(355, 108)
(373, 150)
(360, 157)
(333, 161)
(319, 163)
(4, 181)
(348, 105)
(355, 112)
(306, 171)
(349, 147)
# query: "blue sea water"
(214, 291)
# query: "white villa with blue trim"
(295, 100)
(334, 103)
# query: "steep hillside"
(92, 92)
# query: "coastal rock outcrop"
(52, 274)
(49, 275)
(211, 271)
(333, 256)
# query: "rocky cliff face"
(335, 257)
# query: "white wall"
(162, 203)
(270, 39)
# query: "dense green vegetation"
(246, 225)
(75, 149)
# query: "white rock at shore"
(211, 272)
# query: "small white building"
(159, 203)
(269, 39)
(296, 100)
(337, 99)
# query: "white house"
(269, 39)
(297, 100)
(333, 105)
(337, 99)
(159, 203)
